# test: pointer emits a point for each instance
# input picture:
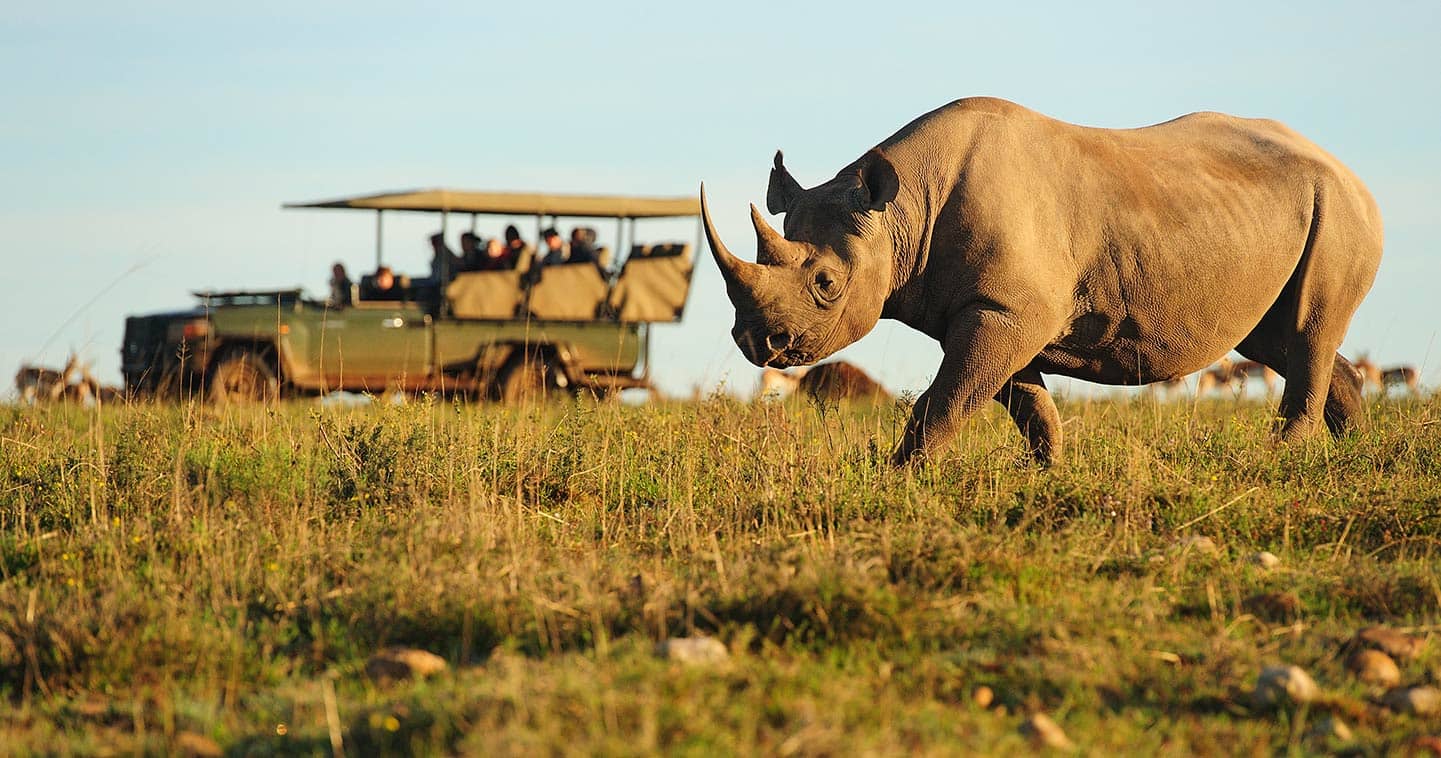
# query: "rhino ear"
(879, 183)
(783, 188)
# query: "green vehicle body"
(257, 345)
(310, 347)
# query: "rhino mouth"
(789, 358)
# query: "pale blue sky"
(166, 135)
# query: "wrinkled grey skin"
(1029, 246)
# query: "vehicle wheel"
(529, 378)
(243, 377)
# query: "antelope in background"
(73, 383)
(1383, 379)
(1234, 375)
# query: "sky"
(147, 146)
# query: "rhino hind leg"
(1025, 398)
(1343, 409)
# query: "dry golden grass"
(229, 572)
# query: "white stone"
(1265, 560)
(693, 650)
(1421, 701)
(1280, 685)
(404, 663)
(1330, 727)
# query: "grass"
(228, 572)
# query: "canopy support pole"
(379, 227)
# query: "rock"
(196, 746)
(1042, 731)
(1329, 727)
(1398, 645)
(1264, 560)
(404, 663)
(693, 651)
(1276, 607)
(1198, 544)
(1420, 701)
(983, 697)
(1282, 685)
(1374, 667)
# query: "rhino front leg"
(1025, 398)
(984, 350)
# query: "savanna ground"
(228, 572)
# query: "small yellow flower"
(282, 729)
(272, 566)
(392, 723)
(137, 539)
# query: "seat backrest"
(485, 294)
(653, 288)
(567, 292)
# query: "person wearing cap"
(555, 252)
(470, 252)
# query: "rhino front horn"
(738, 274)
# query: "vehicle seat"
(485, 294)
(568, 292)
(653, 287)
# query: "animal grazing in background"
(38, 384)
(1243, 371)
(1167, 388)
(1028, 246)
(1218, 377)
(838, 380)
(73, 383)
(1385, 379)
(777, 384)
(1405, 376)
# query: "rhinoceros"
(1026, 246)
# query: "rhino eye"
(826, 287)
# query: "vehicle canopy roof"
(441, 200)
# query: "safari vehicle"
(483, 334)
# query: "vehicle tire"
(528, 378)
(242, 377)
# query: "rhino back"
(1165, 244)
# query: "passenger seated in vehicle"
(340, 286)
(496, 257)
(582, 245)
(514, 245)
(442, 256)
(470, 252)
(383, 286)
(554, 248)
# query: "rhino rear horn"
(772, 249)
(783, 187)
